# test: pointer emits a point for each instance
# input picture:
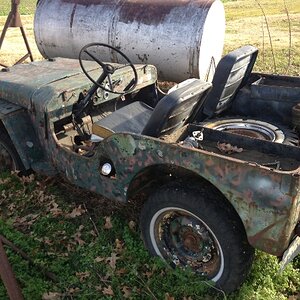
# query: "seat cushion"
(130, 118)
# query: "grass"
(26, 7)
(246, 24)
(94, 249)
(92, 245)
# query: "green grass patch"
(89, 258)
(250, 8)
(27, 7)
(94, 249)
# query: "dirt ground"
(13, 47)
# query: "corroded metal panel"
(21, 81)
(267, 200)
(7, 108)
(182, 38)
(21, 131)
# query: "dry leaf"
(72, 291)
(27, 179)
(132, 225)
(100, 259)
(77, 236)
(12, 207)
(76, 212)
(4, 181)
(26, 221)
(148, 274)
(294, 297)
(121, 272)
(54, 210)
(108, 291)
(93, 233)
(108, 224)
(126, 291)
(169, 297)
(228, 148)
(98, 288)
(78, 240)
(70, 247)
(112, 260)
(119, 246)
(52, 296)
(83, 275)
(47, 241)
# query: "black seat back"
(231, 74)
(177, 108)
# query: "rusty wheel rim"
(251, 130)
(184, 240)
(7, 162)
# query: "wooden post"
(14, 20)
(7, 275)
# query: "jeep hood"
(19, 83)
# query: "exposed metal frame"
(14, 20)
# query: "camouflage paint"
(21, 132)
(268, 201)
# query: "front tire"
(9, 158)
(192, 227)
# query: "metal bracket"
(14, 20)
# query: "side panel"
(267, 200)
(19, 127)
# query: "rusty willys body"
(183, 38)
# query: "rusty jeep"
(217, 164)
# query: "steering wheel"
(107, 69)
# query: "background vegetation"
(27, 7)
(92, 245)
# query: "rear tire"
(197, 228)
(9, 158)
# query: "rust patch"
(267, 243)
(143, 12)
(248, 133)
(92, 2)
(154, 14)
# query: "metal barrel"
(182, 38)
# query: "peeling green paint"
(267, 200)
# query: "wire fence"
(27, 7)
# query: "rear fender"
(18, 126)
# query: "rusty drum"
(182, 38)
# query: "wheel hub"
(186, 241)
(191, 241)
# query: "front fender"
(18, 125)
